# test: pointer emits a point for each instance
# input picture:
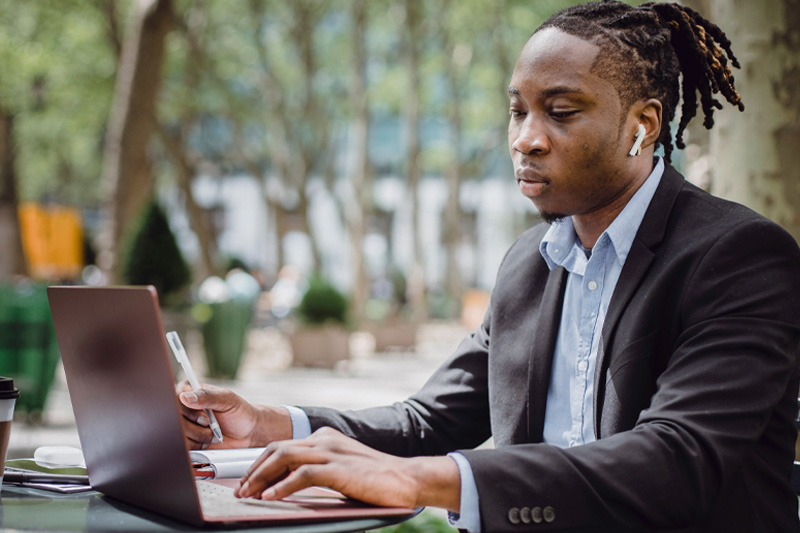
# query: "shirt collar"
(560, 243)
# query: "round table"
(32, 509)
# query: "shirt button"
(582, 366)
(525, 515)
(549, 514)
(592, 285)
(513, 515)
(536, 515)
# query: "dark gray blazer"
(695, 389)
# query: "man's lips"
(530, 176)
(531, 184)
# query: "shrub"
(322, 303)
(150, 255)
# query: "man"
(638, 365)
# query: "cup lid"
(7, 390)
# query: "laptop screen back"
(120, 380)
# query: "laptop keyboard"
(218, 501)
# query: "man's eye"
(516, 113)
(562, 114)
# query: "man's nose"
(530, 137)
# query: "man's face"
(565, 134)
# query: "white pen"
(175, 343)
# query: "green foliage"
(322, 303)
(151, 256)
(236, 263)
(235, 85)
(59, 66)
(425, 522)
(58, 77)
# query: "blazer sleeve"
(450, 411)
(722, 406)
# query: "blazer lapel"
(651, 232)
(540, 361)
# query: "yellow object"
(52, 237)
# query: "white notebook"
(232, 462)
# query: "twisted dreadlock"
(645, 50)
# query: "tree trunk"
(315, 140)
(359, 178)
(276, 125)
(126, 167)
(176, 144)
(280, 231)
(12, 258)
(199, 220)
(305, 212)
(416, 272)
(755, 154)
(299, 127)
(113, 32)
(456, 59)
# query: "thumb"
(192, 398)
(207, 398)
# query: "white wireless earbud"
(637, 146)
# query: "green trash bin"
(28, 346)
(225, 336)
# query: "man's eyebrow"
(563, 89)
(553, 91)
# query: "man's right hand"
(243, 424)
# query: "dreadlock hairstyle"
(645, 50)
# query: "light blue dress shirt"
(592, 277)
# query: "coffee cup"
(8, 396)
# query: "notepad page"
(225, 455)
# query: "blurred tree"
(175, 125)
(186, 169)
(126, 166)
(12, 259)
(361, 193)
(457, 27)
(307, 97)
(113, 31)
(412, 43)
(271, 88)
(269, 100)
(53, 94)
(299, 81)
(59, 92)
(755, 154)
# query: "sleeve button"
(549, 514)
(536, 515)
(525, 515)
(513, 515)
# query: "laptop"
(120, 381)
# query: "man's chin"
(551, 218)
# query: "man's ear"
(648, 114)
